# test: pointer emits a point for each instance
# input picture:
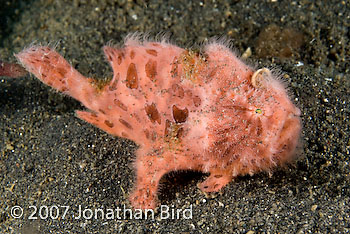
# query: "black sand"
(51, 158)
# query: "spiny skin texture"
(205, 111)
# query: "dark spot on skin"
(121, 56)
(124, 135)
(131, 77)
(113, 86)
(259, 128)
(167, 128)
(155, 44)
(180, 133)
(111, 52)
(48, 67)
(151, 69)
(102, 111)
(134, 115)
(178, 90)
(188, 93)
(146, 133)
(212, 74)
(226, 151)
(174, 68)
(64, 89)
(126, 124)
(109, 57)
(218, 176)
(234, 157)
(120, 105)
(109, 124)
(173, 132)
(221, 146)
(180, 116)
(153, 113)
(93, 114)
(132, 54)
(152, 52)
(154, 136)
(197, 101)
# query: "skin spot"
(180, 116)
(120, 58)
(188, 93)
(124, 135)
(134, 115)
(167, 128)
(180, 133)
(102, 111)
(178, 91)
(109, 56)
(64, 89)
(197, 101)
(49, 67)
(113, 86)
(235, 156)
(109, 124)
(132, 54)
(152, 52)
(120, 105)
(212, 74)
(154, 136)
(151, 69)
(174, 68)
(62, 71)
(131, 77)
(46, 59)
(146, 133)
(126, 124)
(153, 113)
(173, 131)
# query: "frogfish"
(188, 109)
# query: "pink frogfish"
(202, 110)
